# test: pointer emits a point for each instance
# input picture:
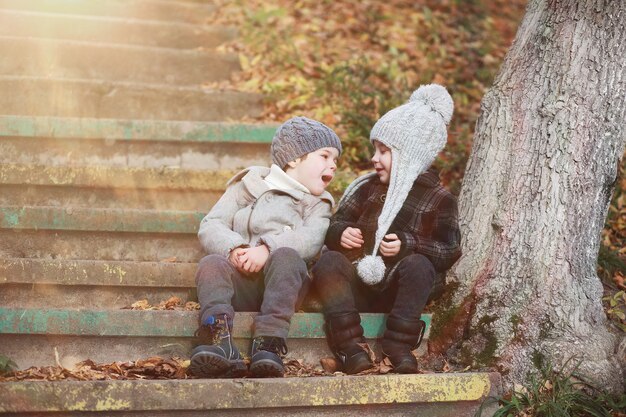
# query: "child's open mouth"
(326, 179)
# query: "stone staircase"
(111, 151)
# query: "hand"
(351, 238)
(391, 245)
(234, 257)
(254, 259)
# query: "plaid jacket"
(427, 223)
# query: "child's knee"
(286, 258)
(211, 261)
(330, 262)
(419, 267)
(210, 265)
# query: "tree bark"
(535, 197)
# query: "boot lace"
(272, 344)
(212, 330)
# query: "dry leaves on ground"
(172, 303)
(151, 368)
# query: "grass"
(554, 394)
(6, 365)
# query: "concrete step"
(180, 11)
(104, 187)
(99, 234)
(209, 146)
(99, 220)
(113, 30)
(107, 198)
(110, 62)
(121, 246)
(133, 130)
(93, 284)
(172, 178)
(116, 100)
(207, 156)
(432, 395)
(112, 335)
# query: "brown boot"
(400, 338)
(344, 334)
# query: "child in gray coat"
(260, 236)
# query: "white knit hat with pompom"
(415, 132)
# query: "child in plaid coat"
(395, 230)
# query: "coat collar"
(252, 178)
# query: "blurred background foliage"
(347, 62)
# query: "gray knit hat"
(298, 136)
(415, 132)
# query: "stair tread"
(134, 130)
(172, 178)
(103, 220)
(156, 9)
(65, 97)
(97, 273)
(122, 30)
(115, 19)
(161, 323)
(271, 393)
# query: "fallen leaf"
(330, 365)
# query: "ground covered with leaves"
(177, 368)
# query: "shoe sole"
(405, 368)
(209, 364)
(266, 368)
(364, 366)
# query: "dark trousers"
(274, 293)
(342, 291)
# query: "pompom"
(437, 98)
(371, 269)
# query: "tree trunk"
(535, 196)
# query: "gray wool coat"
(250, 214)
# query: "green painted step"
(137, 9)
(38, 337)
(133, 130)
(113, 62)
(146, 323)
(112, 30)
(74, 142)
(433, 395)
(43, 96)
(100, 220)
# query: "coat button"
(256, 229)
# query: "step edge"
(123, 20)
(111, 177)
(134, 129)
(113, 220)
(198, 52)
(166, 323)
(271, 393)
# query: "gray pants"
(275, 292)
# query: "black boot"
(344, 333)
(265, 361)
(400, 338)
(217, 355)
